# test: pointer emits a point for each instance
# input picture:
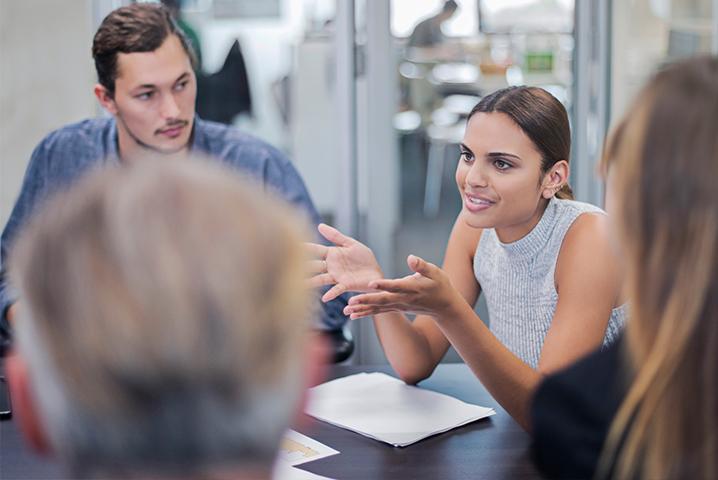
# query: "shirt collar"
(535, 240)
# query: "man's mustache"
(171, 125)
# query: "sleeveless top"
(518, 281)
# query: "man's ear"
(555, 179)
(23, 405)
(106, 99)
(315, 360)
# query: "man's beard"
(152, 148)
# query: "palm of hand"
(353, 266)
(426, 292)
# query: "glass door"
(648, 34)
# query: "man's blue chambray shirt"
(66, 154)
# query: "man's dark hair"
(172, 4)
(140, 27)
(450, 6)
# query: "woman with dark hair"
(543, 261)
(648, 406)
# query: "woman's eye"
(501, 165)
(466, 156)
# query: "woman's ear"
(23, 404)
(555, 179)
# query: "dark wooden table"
(492, 448)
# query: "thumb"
(420, 266)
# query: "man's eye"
(145, 96)
(180, 86)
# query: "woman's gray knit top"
(518, 281)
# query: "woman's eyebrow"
(502, 154)
(491, 154)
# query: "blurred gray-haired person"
(164, 328)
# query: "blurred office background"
(371, 123)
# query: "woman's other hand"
(350, 266)
(427, 292)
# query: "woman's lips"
(475, 203)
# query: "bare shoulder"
(590, 229)
(586, 249)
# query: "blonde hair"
(665, 156)
(164, 301)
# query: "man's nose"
(169, 107)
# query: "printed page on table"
(296, 449)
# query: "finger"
(421, 266)
(318, 281)
(317, 266)
(357, 311)
(368, 310)
(317, 250)
(333, 292)
(334, 235)
(395, 285)
(369, 299)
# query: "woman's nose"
(476, 176)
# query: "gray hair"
(164, 320)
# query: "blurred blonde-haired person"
(164, 324)
(647, 407)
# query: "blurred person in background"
(646, 406)
(428, 32)
(147, 83)
(164, 329)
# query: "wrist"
(452, 307)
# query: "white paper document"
(284, 471)
(386, 409)
(296, 449)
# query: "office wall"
(46, 80)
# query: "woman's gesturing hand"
(350, 266)
(426, 292)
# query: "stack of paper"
(386, 409)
